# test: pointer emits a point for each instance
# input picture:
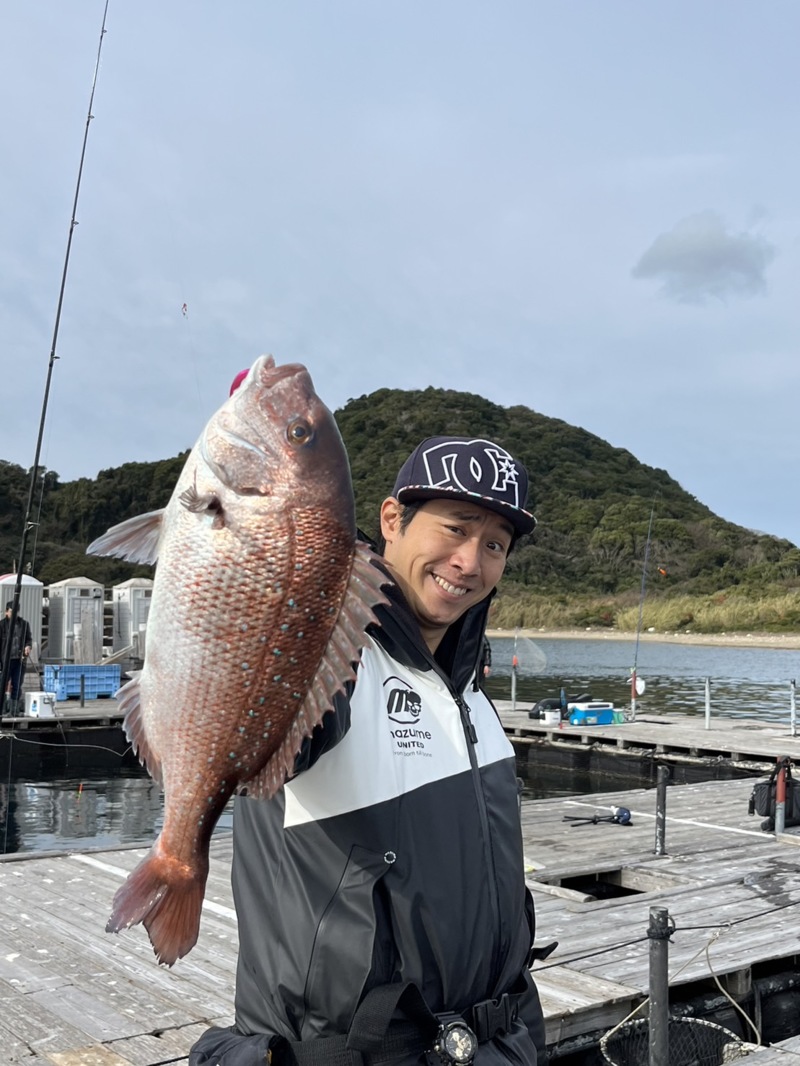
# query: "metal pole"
(658, 931)
(83, 690)
(708, 703)
(633, 694)
(780, 798)
(661, 811)
(514, 664)
(792, 708)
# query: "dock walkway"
(73, 995)
(747, 741)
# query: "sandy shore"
(790, 641)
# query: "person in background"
(382, 909)
(20, 641)
(486, 658)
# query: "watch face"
(459, 1044)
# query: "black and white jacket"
(393, 854)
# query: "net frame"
(692, 1042)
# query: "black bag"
(762, 799)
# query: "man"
(383, 914)
(486, 659)
(20, 650)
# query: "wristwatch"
(455, 1042)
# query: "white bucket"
(551, 717)
(40, 704)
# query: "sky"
(589, 207)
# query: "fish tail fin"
(166, 896)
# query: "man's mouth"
(453, 590)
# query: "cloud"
(699, 258)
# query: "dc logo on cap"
(473, 466)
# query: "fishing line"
(50, 744)
(718, 927)
(26, 524)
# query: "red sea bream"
(260, 603)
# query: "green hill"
(583, 565)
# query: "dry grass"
(733, 611)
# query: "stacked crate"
(65, 681)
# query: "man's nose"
(467, 556)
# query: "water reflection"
(744, 682)
(94, 811)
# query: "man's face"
(448, 558)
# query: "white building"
(131, 604)
(75, 601)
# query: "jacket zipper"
(472, 739)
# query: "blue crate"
(65, 680)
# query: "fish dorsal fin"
(135, 539)
(364, 591)
(131, 707)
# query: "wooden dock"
(74, 995)
(731, 890)
(745, 741)
(93, 735)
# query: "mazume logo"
(404, 707)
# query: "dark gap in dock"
(549, 771)
(606, 884)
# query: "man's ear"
(391, 510)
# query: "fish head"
(275, 438)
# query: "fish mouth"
(274, 414)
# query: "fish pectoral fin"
(208, 503)
(336, 668)
(135, 539)
(133, 724)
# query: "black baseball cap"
(467, 468)
(10, 605)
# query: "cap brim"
(522, 521)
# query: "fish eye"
(299, 432)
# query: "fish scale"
(258, 615)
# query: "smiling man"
(383, 914)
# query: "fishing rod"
(27, 524)
(637, 687)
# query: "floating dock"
(73, 994)
(31, 748)
(746, 741)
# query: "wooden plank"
(167, 1046)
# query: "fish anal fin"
(135, 539)
(133, 724)
(337, 666)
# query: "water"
(744, 682)
(106, 804)
(101, 809)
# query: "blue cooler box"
(602, 714)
